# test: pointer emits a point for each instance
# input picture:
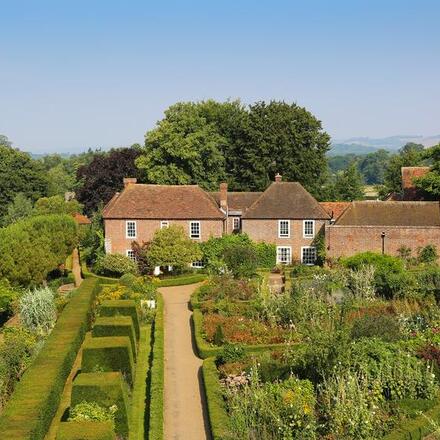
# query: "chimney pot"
(129, 181)
(224, 195)
(278, 177)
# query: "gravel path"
(184, 409)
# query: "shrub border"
(156, 392)
(182, 281)
(206, 350)
(218, 417)
(31, 408)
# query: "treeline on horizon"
(205, 143)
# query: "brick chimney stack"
(224, 196)
(129, 181)
(278, 177)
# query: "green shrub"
(123, 307)
(7, 297)
(107, 390)
(33, 404)
(219, 337)
(241, 260)
(428, 254)
(389, 272)
(86, 430)
(266, 255)
(116, 326)
(115, 265)
(231, 353)
(108, 354)
(38, 311)
(384, 327)
(128, 279)
(181, 280)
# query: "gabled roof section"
(286, 200)
(335, 209)
(238, 201)
(372, 213)
(140, 201)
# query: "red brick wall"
(267, 230)
(344, 241)
(115, 231)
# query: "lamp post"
(383, 242)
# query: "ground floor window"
(284, 254)
(197, 264)
(130, 254)
(236, 223)
(308, 255)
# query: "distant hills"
(365, 145)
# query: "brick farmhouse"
(285, 214)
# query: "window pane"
(131, 229)
(283, 255)
(131, 254)
(309, 228)
(309, 255)
(195, 230)
(284, 229)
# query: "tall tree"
(349, 184)
(103, 176)
(283, 138)
(19, 173)
(19, 208)
(184, 148)
(430, 183)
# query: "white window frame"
(127, 235)
(234, 221)
(312, 235)
(130, 254)
(164, 224)
(197, 264)
(289, 260)
(302, 255)
(279, 229)
(191, 235)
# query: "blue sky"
(78, 74)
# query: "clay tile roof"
(162, 202)
(81, 219)
(286, 200)
(335, 209)
(372, 213)
(410, 173)
(238, 201)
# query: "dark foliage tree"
(349, 184)
(103, 176)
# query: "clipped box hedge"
(218, 417)
(182, 280)
(86, 430)
(108, 354)
(116, 326)
(121, 307)
(105, 389)
(32, 406)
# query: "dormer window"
(284, 228)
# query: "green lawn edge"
(32, 406)
(139, 397)
(156, 392)
(218, 417)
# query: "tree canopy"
(430, 182)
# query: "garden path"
(185, 414)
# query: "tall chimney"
(278, 177)
(129, 181)
(224, 196)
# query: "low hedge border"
(86, 430)
(34, 403)
(218, 418)
(182, 280)
(417, 428)
(138, 401)
(157, 376)
(206, 350)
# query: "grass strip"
(139, 397)
(218, 418)
(156, 391)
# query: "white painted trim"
(126, 228)
(234, 219)
(301, 256)
(284, 247)
(127, 253)
(279, 228)
(164, 224)
(200, 229)
(304, 229)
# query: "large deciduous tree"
(430, 182)
(349, 184)
(103, 176)
(19, 173)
